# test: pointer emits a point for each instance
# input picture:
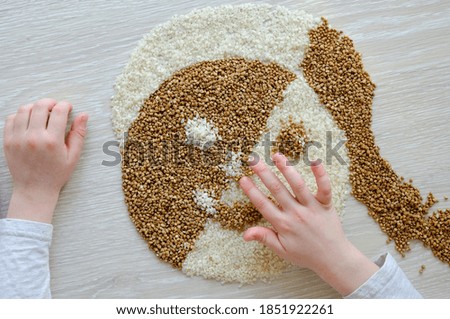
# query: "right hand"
(306, 228)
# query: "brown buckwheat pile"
(160, 170)
(335, 71)
(292, 140)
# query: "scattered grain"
(422, 269)
(431, 200)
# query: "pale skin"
(306, 229)
(41, 156)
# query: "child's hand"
(306, 228)
(40, 157)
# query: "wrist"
(35, 205)
(348, 270)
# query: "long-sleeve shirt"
(24, 259)
(388, 282)
(25, 273)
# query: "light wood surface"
(75, 49)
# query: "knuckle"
(51, 143)
(32, 141)
(276, 188)
(39, 141)
(326, 190)
(39, 104)
(62, 107)
(300, 217)
(44, 103)
(59, 110)
(15, 144)
(8, 144)
(24, 108)
(65, 104)
(283, 226)
(82, 132)
(325, 178)
(324, 183)
(263, 238)
(300, 185)
(260, 203)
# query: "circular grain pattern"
(233, 71)
(204, 91)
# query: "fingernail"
(280, 159)
(316, 162)
(84, 119)
(253, 159)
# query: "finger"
(263, 204)
(22, 118)
(39, 114)
(323, 195)
(265, 236)
(294, 179)
(8, 129)
(58, 119)
(76, 136)
(274, 185)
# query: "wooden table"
(75, 49)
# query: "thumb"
(267, 237)
(75, 138)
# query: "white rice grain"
(205, 201)
(201, 133)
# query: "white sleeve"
(24, 259)
(388, 282)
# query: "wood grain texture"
(74, 50)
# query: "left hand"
(40, 157)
